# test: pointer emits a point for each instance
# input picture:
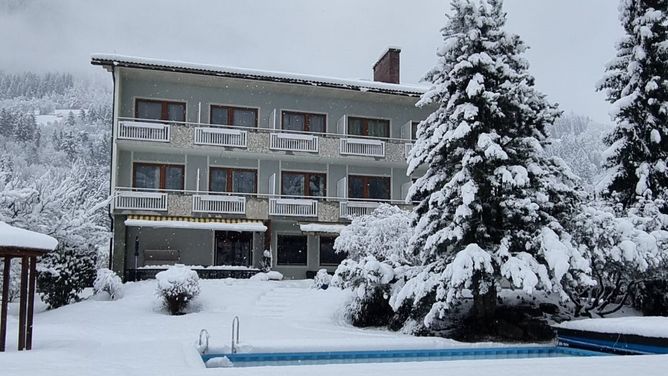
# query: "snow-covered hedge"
(322, 279)
(108, 282)
(177, 286)
(64, 273)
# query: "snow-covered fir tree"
(491, 204)
(636, 84)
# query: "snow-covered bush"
(623, 251)
(109, 282)
(14, 278)
(64, 273)
(267, 276)
(265, 263)
(177, 286)
(322, 279)
(370, 281)
(383, 234)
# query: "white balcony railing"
(129, 200)
(294, 142)
(407, 149)
(293, 207)
(221, 137)
(363, 147)
(356, 208)
(219, 204)
(144, 131)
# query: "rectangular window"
(160, 110)
(158, 176)
(291, 249)
(303, 184)
(235, 116)
(368, 127)
(327, 254)
(414, 127)
(232, 180)
(303, 122)
(369, 187)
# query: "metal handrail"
(206, 339)
(235, 320)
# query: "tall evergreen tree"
(491, 204)
(636, 84)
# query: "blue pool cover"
(337, 357)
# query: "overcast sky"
(570, 40)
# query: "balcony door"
(369, 187)
(150, 109)
(233, 248)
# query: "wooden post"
(5, 298)
(31, 300)
(22, 303)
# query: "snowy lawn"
(134, 336)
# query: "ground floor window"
(327, 254)
(233, 248)
(292, 249)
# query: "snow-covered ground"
(642, 326)
(133, 336)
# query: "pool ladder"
(205, 342)
(235, 324)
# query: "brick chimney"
(386, 68)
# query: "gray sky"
(570, 40)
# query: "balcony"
(294, 142)
(362, 147)
(221, 137)
(143, 131)
(215, 204)
(293, 207)
(130, 200)
(349, 209)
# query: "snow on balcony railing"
(407, 149)
(129, 200)
(293, 207)
(294, 142)
(363, 147)
(144, 131)
(356, 208)
(220, 137)
(219, 204)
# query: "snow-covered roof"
(255, 74)
(196, 223)
(11, 236)
(321, 227)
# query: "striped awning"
(221, 224)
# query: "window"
(158, 176)
(232, 180)
(414, 127)
(304, 122)
(236, 116)
(373, 187)
(160, 110)
(327, 254)
(368, 127)
(291, 250)
(303, 184)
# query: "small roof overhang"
(18, 242)
(221, 224)
(321, 228)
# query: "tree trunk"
(484, 304)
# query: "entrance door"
(234, 248)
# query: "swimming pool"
(389, 356)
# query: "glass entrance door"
(234, 248)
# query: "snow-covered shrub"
(64, 273)
(14, 278)
(370, 281)
(109, 282)
(177, 286)
(383, 234)
(322, 279)
(267, 276)
(622, 250)
(651, 297)
(265, 263)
